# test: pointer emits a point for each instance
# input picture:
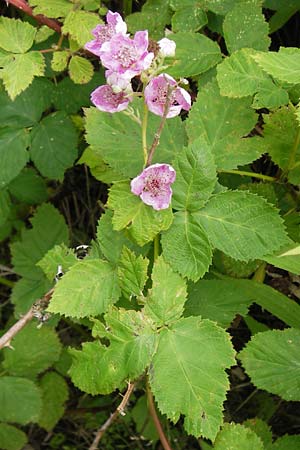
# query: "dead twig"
(113, 417)
(39, 305)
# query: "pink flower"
(104, 33)
(153, 185)
(117, 81)
(156, 96)
(167, 47)
(125, 56)
(105, 99)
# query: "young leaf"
(20, 400)
(195, 176)
(60, 60)
(117, 138)
(235, 119)
(27, 108)
(100, 370)
(34, 351)
(242, 225)
(11, 438)
(132, 272)
(245, 26)
(283, 65)
(13, 153)
(79, 25)
(86, 290)
(60, 255)
(206, 54)
(80, 70)
(54, 145)
(19, 73)
(142, 221)
(271, 359)
(48, 229)
(187, 374)
(235, 437)
(54, 394)
(281, 133)
(15, 35)
(186, 246)
(166, 299)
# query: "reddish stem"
(23, 6)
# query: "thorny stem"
(18, 326)
(159, 429)
(113, 417)
(161, 127)
(23, 6)
(144, 133)
(249, 174)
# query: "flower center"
(111, 97)
(161, 98)
(153, 185)
(105, 33)
(126, 56)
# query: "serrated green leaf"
(234, 436)
(48, 229)
(111, 241)
(99, 169)
(79, 25)
(233, 268)
(189, 17)
(11, 438)
(142, 221)
(283, 65)
(193, 382)
(287, 442)
(54, 145)
(15, 35)
(29, 187)
(167, 296)
(5, 204)
(154, 17)
(271, 359)
(54, 394)
(195, 176)
(245, 26)
(261, 429)
(221, 300)
(221, 7)
(235, 119)
(287, 258)
(34, 351)
(132, 272)
(206, 54)
(19, 73)
(43, 33)
(13, 153)
(87, 289)
(60, 60)
(28, 107)
(281, 132)
(99, 369)
(80, 70)
(60, 255)
(242, 225)
(55, 8)
(240, 76)
(20, 400)
(186, 246)
(118, 137)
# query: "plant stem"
(249, 174)
(152, 410)
(144, 133)
(113, 417)
(23, 6)
(6, 282)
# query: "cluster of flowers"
(125, 58)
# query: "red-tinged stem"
(153, 413)
(23, 6)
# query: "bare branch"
(42, 303)
(112, 418)
(23, 6)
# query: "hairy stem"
(43, 20)
(249, 174)
(18, 326)
(159, 429)
(113, 417)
